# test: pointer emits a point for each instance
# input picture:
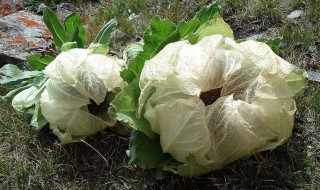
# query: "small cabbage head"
(78, 92)
(217, 101)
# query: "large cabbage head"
(78, 93)
(217, 101)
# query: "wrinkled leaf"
(218, 101)
(73, 121)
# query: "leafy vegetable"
(217, 101)
(78, 81)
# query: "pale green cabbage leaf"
(78, 78)
(217, 101)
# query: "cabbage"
(217, 101)
(79, 81)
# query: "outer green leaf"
(74, 29)
(38, 62)
(13, 93)
(12, 75)
(215, 26)
(145, 151)
(127, 75)
(56, 29)
(124, 108)
(104, 35)
(161, 30)
(37, 82)
(186, 28)
(208, 12)
(69, 45)
(11, 71)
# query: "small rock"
(118, 34)
(137, 23)
(21, 34)
(133, 16)
(63, 10)
(295, 14)
(8, 7)
(314, 76)
(41, 8)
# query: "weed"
(236, 4)
(296, 4)
(32, 5)
(268, 9)
(313, 11)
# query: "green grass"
(37, 160)
(175, 10)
